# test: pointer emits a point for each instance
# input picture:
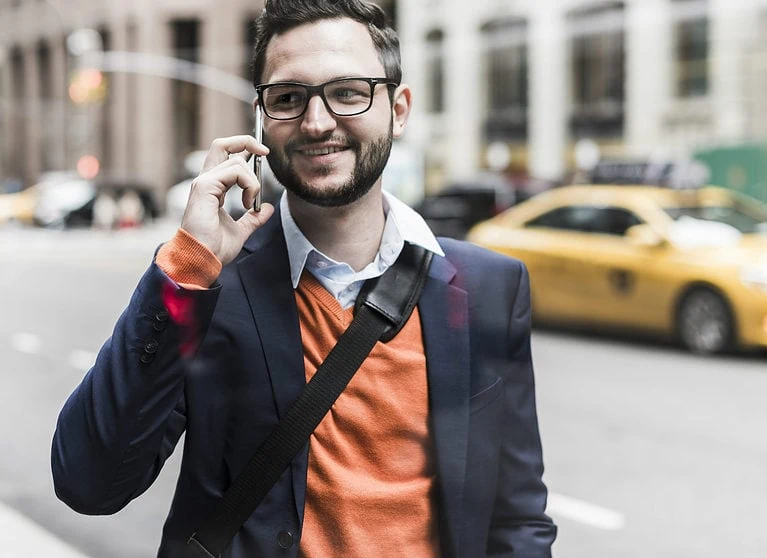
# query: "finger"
(244, 155)
(250, 190)
(246, 179)
(222, 148)
(250, 221)
(220, 179)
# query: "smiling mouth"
(322, 151)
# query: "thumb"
(252, 221)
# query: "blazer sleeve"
(124, 419)
(519, 526)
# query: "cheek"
(368, 130)
(275, 133)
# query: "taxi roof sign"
(671, 174)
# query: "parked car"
(69, 203)
(454, 209)
(690, 264)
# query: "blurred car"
(454, 209)
(69, 202)
(178, 194)
(685, 263)
(18, 207)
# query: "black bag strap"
(382, 309)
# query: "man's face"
(322, 158)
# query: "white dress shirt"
(403, 224)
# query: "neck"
(350, 234)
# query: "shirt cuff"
(188, 262)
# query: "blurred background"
(650, 364)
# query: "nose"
(317, 120)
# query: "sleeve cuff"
(187, 262)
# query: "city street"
(650, 452)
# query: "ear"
(400, 109)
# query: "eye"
(349, 92)
(346, 93)
(283, 97)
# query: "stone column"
(413, 47)
(6, 111)
(31, 104)
(733, 25)
(154, 115)
(463, 90)
(548, 91)
(60, 102)
(119, 117)
(222, 47)
(649, 73)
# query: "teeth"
(323, 151)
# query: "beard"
(370, 161)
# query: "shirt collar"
(401, 221)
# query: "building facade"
(136, 121)
(640, 78)
(507, 84)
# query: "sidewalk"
(21, 538)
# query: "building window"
(597, 44)
(186, 96)
(504, 53)
(435, 77)
(691, 47)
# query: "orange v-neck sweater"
(371, 480)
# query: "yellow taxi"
(685, 263)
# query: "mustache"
(340, 140)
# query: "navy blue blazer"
(230, 365)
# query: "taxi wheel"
(704, 322)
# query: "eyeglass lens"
(344, 98)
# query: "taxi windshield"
(746, 221)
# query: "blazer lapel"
(265, 276)
(445, 321)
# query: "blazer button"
(146, 358)
(151, 347)
(161, 316)
(285, 539)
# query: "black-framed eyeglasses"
(342, 97)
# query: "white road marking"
(82, 360)
(26, 343)
(22, 538)
(586, 513)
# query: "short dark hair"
(280, 16)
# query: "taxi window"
(587, 218)
(745, 223)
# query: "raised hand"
(205, 218)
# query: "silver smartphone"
(258, 133)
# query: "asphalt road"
(649, 451)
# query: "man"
(433, 448)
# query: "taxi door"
(557, 248)
(627, 280)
